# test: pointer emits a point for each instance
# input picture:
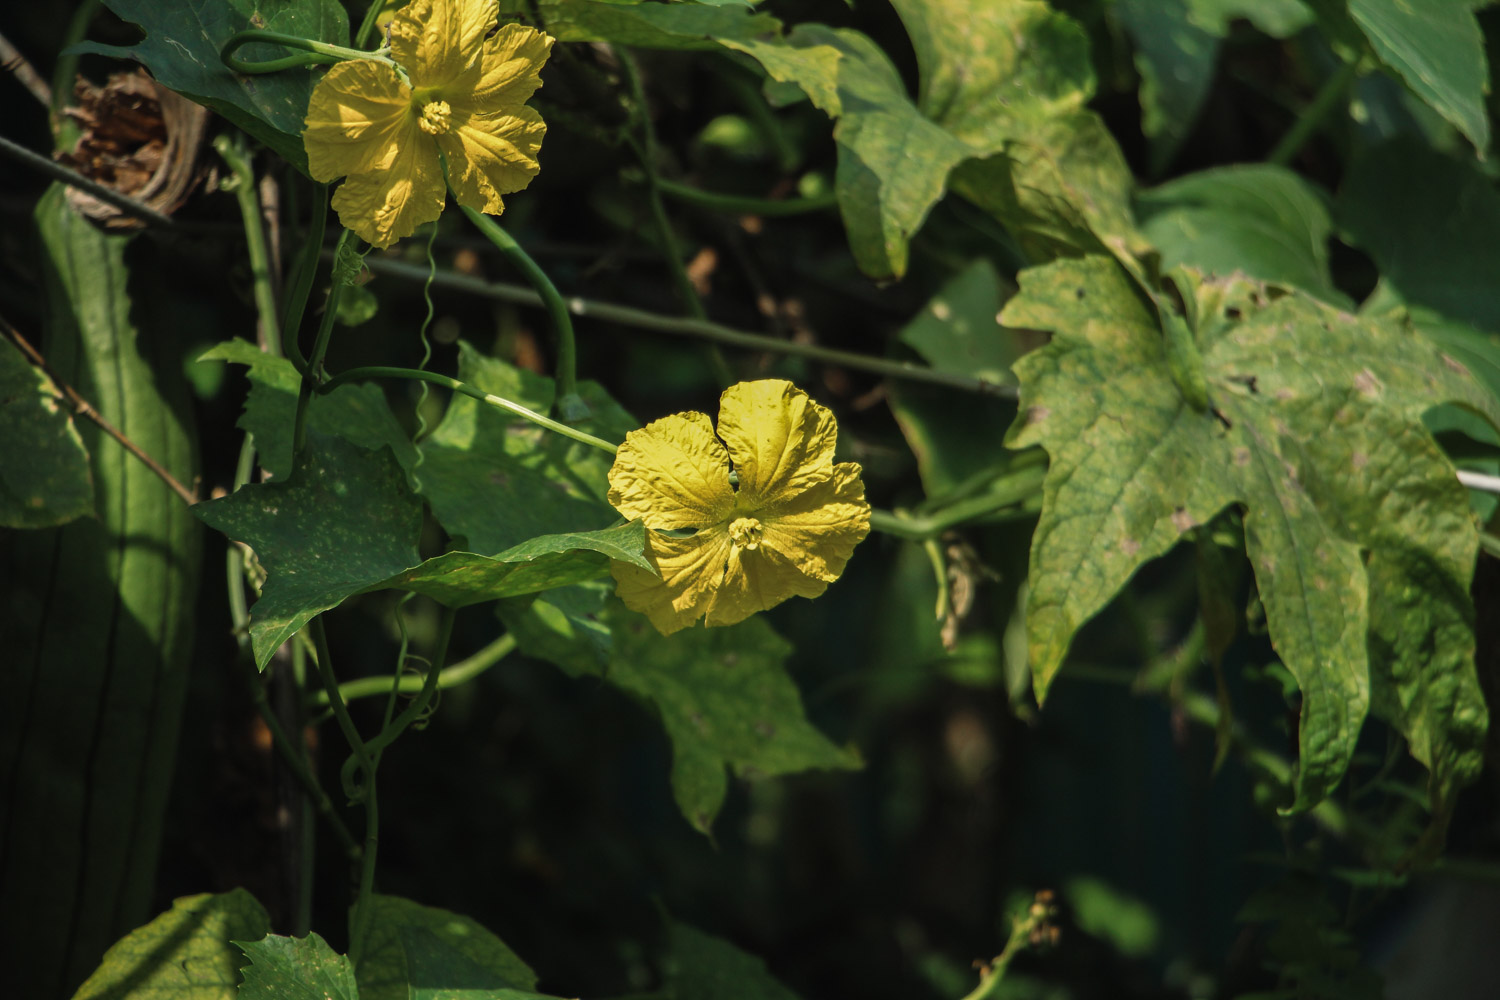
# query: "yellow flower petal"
(506, 74)
(493, 155)
(383, 206)
(673, 473)
(816, 531)
(781, 442)
(758, 580)
(437, 40)
(360, 112)
(691, 570)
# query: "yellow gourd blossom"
(465, 93)
(787, 529)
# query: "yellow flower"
(465, 95)
(788, 529)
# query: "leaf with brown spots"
(1356, 529)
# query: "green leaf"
(733, 26)
(1314, 428)
(723, 693)
(421, 950)
(1432, 226)
(343, 521)
(1176, 61)
(497, 480)
(356, 413)
(288, 968)
(1277, 18)
(892, 161)
(1010, 79)
(44, 466)
(181, 49)
(1437, 48)
(1260, 219)
(546, 562)
(704, 967)
(185, 952)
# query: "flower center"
(745, 532)
(435, 117)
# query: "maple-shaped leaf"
(1356, 528)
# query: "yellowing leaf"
(1313, 427)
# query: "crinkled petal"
(781, 442)
(359, 115)
(817, 530)
(438, 40)
(757, 580)
(506, 74)
(386, 205)
(691, 570)
(673, 473)
(491, 155)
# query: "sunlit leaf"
(1313, 428)
(185, 952)
(1277, 18)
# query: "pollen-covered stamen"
(435, 117)
(745, 532)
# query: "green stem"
(313, 52)
(734, 204)
(296, 760)
(419, 704)
(341, 711)
(72, 178)
(702, 329)
(362, 36)
(232, 151)
(303, 273)
(645, 151)
(994, 974)
(468, 390)
(1326, 99)
(459, 673)
(1009, 492)
(65, 131)
(551, 299)
(343, 273)
(361, 911)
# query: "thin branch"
(82, 407)
(702, 329)
(16, 63)
(73, 178)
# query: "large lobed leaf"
(346, 522)
(185, 952)
(181, 49)
(423, 951)
(1314, 428)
